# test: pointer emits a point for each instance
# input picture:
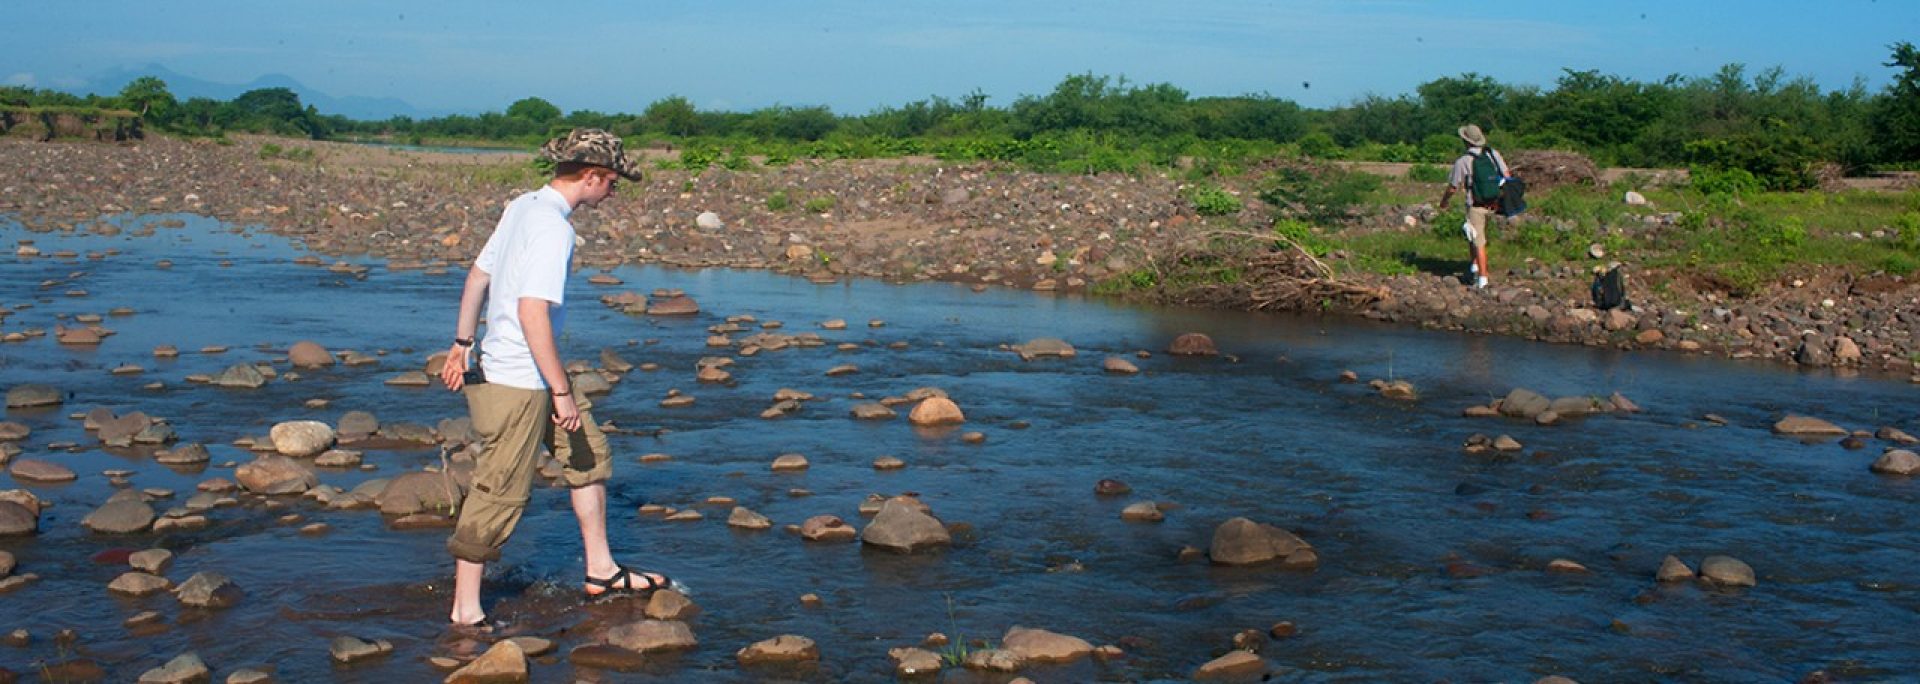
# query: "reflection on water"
(1432, 560)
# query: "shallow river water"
(1432, 560)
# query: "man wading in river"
(1478, 173)
(523, 399)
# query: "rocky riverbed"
(226, 460)
(911, 220)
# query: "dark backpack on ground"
(1610, 289)
(1486, 178)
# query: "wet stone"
(347, 650)
(136, 583)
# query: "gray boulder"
(1244, 542)
(901, 526)
(183, 669)
(357, 425)
(1897, 462)
(301, 438)
(121, 516)
(208, 590)
(1524, 403)
(1807, 425)
(17, 520)
(420, 493)
(191, 453)
(26, 396)
(275, 474)
(647, 636)
(1044, 347)
(242, 375)
(1726, 571)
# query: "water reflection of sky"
(1380, 487)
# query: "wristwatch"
(463, 341)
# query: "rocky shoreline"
(905, 220)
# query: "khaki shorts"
(513, 424)
(1477, 225)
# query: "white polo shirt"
(527, 256)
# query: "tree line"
(1778, 128)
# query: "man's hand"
(566, 414)
(454, 372)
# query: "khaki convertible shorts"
(513, 424)
(1477, 225)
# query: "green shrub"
(269, 151)
(1723, 181)
(1211, 200)
(1301, 233)
(1906, 231)
(819, 205)
(778, 201)
(734, 161)
(1427, 173)
(1319, 145)
(698, 159)
(1322, 194)
(1773, 233)
(1132, 281)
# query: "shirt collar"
(548, 195)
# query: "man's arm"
(536, 323)
(453, 372)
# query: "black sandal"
(624, 577)
(477, 628)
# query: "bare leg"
(466, 592)
(1480, 259)
(590, 506)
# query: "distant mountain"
(183, 86)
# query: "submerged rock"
(1192, 344)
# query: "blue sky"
(853, 56)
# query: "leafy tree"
(1896, 117)
(533, 109)
(149, 97)
(672, 115)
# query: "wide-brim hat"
(1471, 133)
(591, 146)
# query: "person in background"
(1478, 173)
(522, 399)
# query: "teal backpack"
(1486, 177)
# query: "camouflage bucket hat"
(591, 146)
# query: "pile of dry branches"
(1255, 271)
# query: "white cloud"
(24, 79)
